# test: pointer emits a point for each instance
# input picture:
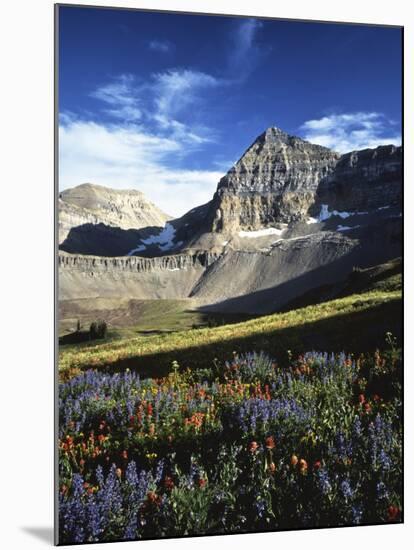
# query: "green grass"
(353, 323)
(131, 318)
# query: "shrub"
(98, 330)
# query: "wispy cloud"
(125, 156)
(178, 95)
(161, 46)
(177, 89)
(163, 100)
(244, 53)
(119, 94)
(351, 131)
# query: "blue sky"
(166, 103)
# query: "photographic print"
(229, 202)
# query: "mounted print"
(229, 274)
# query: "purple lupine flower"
(382, 492)
(131, 528)
(357, 427)
(93, 519)
(346, 489)
(159, 470)
(324, 481)
(384, 460)
(357, 513)
(260, 506)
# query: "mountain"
(287, 218)
(364, 180)
(282, 182)
(89, 205)
(273, 182)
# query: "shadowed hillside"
(356, 324)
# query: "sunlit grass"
(198, 345)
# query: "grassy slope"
(131, 318)
(355, 323)
(384, 277)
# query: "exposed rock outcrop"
(136, 263)
(274, 182)
(167, 277)
(363, 180)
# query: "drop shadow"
(45, 534)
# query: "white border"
(26, 314)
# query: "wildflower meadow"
(243, 446)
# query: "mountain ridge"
(89, 203)
(288, 217)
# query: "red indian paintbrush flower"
(168, 483)
(153, 498)
(393, 513)
(270, 442)
(253, 446)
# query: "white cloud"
(120, 95)
(162, 46)
(126, 156)
(177, 89)
(162, 100)
(244, 53)
(351, 131)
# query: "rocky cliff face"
(94, 264)
(168, 277)
(274, 182)
(364, 180)
(94, 204)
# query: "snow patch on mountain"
(164, 240)
(324, 215)
(346, 227)
(261, 233)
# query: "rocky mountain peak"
(273, 182)
(273, 134)
(274, 137)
